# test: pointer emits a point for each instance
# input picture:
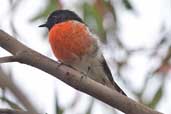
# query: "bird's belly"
(92, 67)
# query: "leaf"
(111, 8)
(94, 20)
(11, 103)
(100, 7)
(127, 4)
(58, 109)
(14, 29)
(156, 98)
(90, 107)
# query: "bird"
(75, 45)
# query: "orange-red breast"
(73, 44)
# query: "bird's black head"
(59, 16)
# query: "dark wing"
(109, 75)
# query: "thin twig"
(9, 111)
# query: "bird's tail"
(119, 89)
(109, 75)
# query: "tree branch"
(8, 59)
(71, 77)
(9, 111)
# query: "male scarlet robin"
(73, 44)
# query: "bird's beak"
(43, 25)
